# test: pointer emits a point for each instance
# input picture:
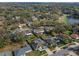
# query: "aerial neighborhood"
(39, 29)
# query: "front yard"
(36, 53)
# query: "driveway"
(48, 51)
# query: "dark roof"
(60, 53)
(21, 51)
(50, 39)
(6, 53)
(75, 30)
(39, 41)
(73, 48)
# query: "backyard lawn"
(31, 38)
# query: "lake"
(72, 20)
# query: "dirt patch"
(11, 47)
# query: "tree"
(20, 37)
(2, 41)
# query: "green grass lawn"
(65, 19)
(67, 32)
(36, 53)
(43, 36)
(31, 38)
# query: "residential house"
(75, 30)
(64, 52)
(50, 41)
(68, 11)
(54, 40)
(59, 38)
(27, 32)
(22, 51)
(74, 47)
(72, 50)
(47, 29)
(75, 36)
(38, 30)
(6, 53)
(39, 44)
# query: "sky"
(39, 0)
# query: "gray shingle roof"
(6, 53)
(39, 41)
(22, 51)
(60, 53)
